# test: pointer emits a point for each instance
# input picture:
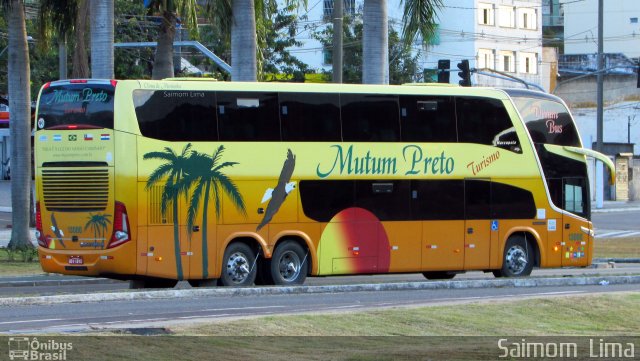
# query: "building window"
(507, 62)
(633, 20)
(485, 58)
(507, 16)
(528, 18)
(349, 8)
(485, 14)
(528, 63)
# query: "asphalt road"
(163, 312)
(617, 224)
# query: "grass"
(13, 265)
(617, 247)
(379, 334)
(611, 314)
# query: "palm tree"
(102, 39)
(170, 10)
(98, 223)
(419, 16)
(243, 41)
(63, 19)
(174, 171)
(206, 173)
(20, 114)
(375, 42)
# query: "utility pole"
(600, 100)
(337, 41)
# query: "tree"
(280, 34)
(205, 173)
(375, 42)
(20, 115)
(63, 19)
(102, 39)
(404, 64)
(169, 11)
(418, 17)
(243, 41)
(174, 170)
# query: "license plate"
(76, 260)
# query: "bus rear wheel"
(517, 260)
(289, 264)
(238, 266)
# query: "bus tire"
(438, 275)
(518, 258)
(289, 264)
(238, 266)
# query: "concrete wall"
(583, 91)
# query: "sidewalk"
(616, 206)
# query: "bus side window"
(370, 118)
(485, 121)
(175, 115)
(248, 116)
(310, 117)
(428, 119)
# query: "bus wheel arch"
(520, 254)
(291, 261)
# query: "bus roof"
(427, 89)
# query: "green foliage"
(403, 62)
(133, 26)
(21, 255)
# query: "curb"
(260, 291)
(616, 260)
(605, 210)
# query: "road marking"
(31, 321)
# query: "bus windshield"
(85, 105)
(547, 121)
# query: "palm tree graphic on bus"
(98, 224)
(203, 173)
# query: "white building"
(621, 29)
(504, 35)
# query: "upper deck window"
(547, 121)
(486, 121)
(176, 115)
(84, 104)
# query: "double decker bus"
(268, 183)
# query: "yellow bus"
(268, 183)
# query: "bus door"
(477, 238)
(574, 241)
(439, 204)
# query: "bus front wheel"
(517, 260)
(289, 264)
(238, 266)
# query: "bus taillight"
(39, 234)
(120, 226)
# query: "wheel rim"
(289, 266)
(516, 259)
(238, 267)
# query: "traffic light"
(465, 73)
(443, 70)
(638, 81)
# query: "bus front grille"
(75, 190)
